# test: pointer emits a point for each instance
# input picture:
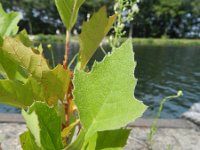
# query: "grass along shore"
(137, 41)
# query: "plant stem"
(73, 59)
(65, 66)
(52, 57)
(69, 97)
(153, 127)
(103, 50)
(68, 35)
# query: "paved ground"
(9, 135)
(171, 135)
(165, 139)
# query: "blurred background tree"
(157, 18)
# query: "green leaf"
(66, 131)
(1, 40)
(60, 108)
(14, 50)
(2, 72)
(27, 141)
(93, 33)
(15, 93)
(40, 48)
(104, 140)
(8, 22)
(45, 126)
(20, 94)
(68, 10)
(115, 139)
(36, 89)
(107, 140)
(23, 37)
(104, 97)
(11, 69)
(55, 84)
(78, 143)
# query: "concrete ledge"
(11, 118)
(142, 123)
(163, 123)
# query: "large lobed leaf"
(11, 70)
(44, 125)
(68, 10)
(18, 62)
(37, 81)
(13, 49)
(8, 22)
(93, 33)
(104, 96)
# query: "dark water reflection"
(161, 71)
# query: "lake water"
(161, 72)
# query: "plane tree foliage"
(68, 109)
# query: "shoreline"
(137, 41)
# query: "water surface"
(161, 71)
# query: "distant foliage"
(172, 18)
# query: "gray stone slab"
(163, 123)
(11, 118)
(9, 135)
(164, 139)
(175, 138)
(173, 134)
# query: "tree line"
(156, 18)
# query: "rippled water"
(161, 71)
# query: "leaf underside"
(30, 77)
(13, 49)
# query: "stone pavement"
(171, 135)
(165, 139)
(176, 134)
(9, 135)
